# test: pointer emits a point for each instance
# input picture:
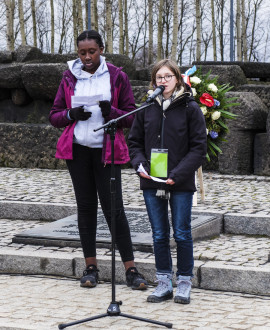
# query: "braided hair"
(91, 34)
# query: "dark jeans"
(91, 179)
(157, 208)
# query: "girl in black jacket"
(168, 139)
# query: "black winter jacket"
(181, 130)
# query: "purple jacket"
(122, 101)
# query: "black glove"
(105, 107)
(79, 114)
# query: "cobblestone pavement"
(237, 250)
(227, 193)
(39, 302)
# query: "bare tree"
(63, 25)
(198, 28)
(52, 26)
(21, 20)
(257, 4)
(238, 31)
(214, 31)
(221, 10)
(150, 31)
(244, 31)
(121, 27)
(175, 29)
(126, 27)
(79, 16)
(95, 14)
(75, 22)
(160, 30)
(10, 9)
(33, 11)
(108, 7)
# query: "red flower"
(207, 99)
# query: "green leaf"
(212, 150)
(215, 146)
(233, 115)
(222, 124)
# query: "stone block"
(37, 111)
(36, 76)
(262, 91)
(139, 92)
(250, 69)
(217, 222)
(217, 276)
(34, 263)
(6, 56)
(35, 211)
(4, 93)
(268, 127)
(10, 75)
(261, 154)
(29, 145)
(249, 224)
(237, 153)
(20, 97)
(27, 53)
(251, 112)
(122, 61)
(231, 74)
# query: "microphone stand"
(114, 310)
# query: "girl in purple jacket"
(107, 95)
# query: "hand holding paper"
(88, 101)
(141, 169)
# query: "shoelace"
(162, 285)
(89, 271)
(135, 274)
(185, 285)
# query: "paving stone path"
(42, 302)
(234, 194)
(39, 302)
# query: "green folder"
(159, 163)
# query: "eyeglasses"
(167, 78)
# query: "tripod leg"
(167, 325)
(63, 326)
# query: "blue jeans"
(157, 208)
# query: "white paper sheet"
(141, 169)
(77, 101)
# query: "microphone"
(159, 90)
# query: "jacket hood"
(76, 68)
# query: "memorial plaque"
(64, 232)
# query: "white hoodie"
(89, 85)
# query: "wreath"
(214, 104)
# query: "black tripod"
(114, 309)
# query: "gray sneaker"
(164, 290)
(182, 295)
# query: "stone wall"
(30, 78)
(29, 145)
(259, 70)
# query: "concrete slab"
(250, 224)
(35, 211)
(219, 276)
(64, 232)
(20, 262)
